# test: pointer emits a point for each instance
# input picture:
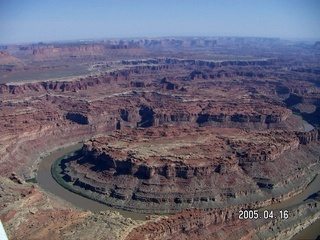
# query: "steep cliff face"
(222, 119)
(147, 119)
(205, 119)
(78, 118)
(81, 50)
(308, 137)
(55, 86)
(137, 84)
(166, 84)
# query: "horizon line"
(294, 39)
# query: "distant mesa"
(7, 58)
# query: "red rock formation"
(169, 169)
(62, 51)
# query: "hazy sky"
(52, 20)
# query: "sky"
(26, 21)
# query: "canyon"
(171, 169)
(197, 128)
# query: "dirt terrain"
(196, 127)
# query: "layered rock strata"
(164, 170)
(225, 224)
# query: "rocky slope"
(28, 212)
(225, 224)
(7, 58)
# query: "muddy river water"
(47, 182)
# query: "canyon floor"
(191, 131)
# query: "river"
(311, 232)
(47, 182)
